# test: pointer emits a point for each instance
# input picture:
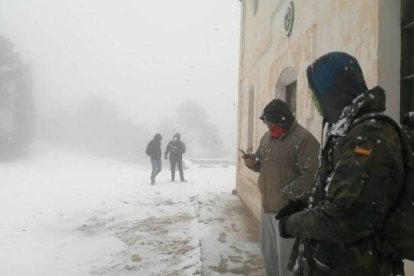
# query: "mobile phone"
(242, 152)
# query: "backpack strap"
(380, 116)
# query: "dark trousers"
(179, 163)
(156, 167)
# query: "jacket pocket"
(320, 257)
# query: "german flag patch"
(362, 151)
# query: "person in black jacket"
(154, 152)
(176, 149)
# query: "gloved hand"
(282, 229)
(290, 208)
(250, 160)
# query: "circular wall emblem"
(289, 18)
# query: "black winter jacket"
(176, 149)
(154, 147)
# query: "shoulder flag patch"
(362, 151)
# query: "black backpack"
(398, 227)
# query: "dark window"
(285, 88)
(291, 96)
(407, 57)
(250, 121)
(255, 6)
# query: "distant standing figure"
(176, 149)
(154, 152)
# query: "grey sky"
(141, 55)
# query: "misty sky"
(144, 56)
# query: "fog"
(104, 76)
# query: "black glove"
(282, 229)
(291, 208)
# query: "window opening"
(407, 57)
(291, 96)
(250, 121)
(255, 6)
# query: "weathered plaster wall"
(389, 53)
(366, 29)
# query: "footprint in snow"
(222, 237)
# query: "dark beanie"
(278, 112)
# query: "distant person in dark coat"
(176, 149)
(154, 152)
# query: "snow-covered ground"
(69, 214)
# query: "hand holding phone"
(250, 160)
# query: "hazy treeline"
(96, 126)
(17, 112)
(198, 132)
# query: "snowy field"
(68, 214)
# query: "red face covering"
(276, 130)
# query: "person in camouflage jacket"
(357, 182)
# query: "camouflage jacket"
(358, 179)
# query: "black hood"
(157, 137)
(336, 79)
(278, 112)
